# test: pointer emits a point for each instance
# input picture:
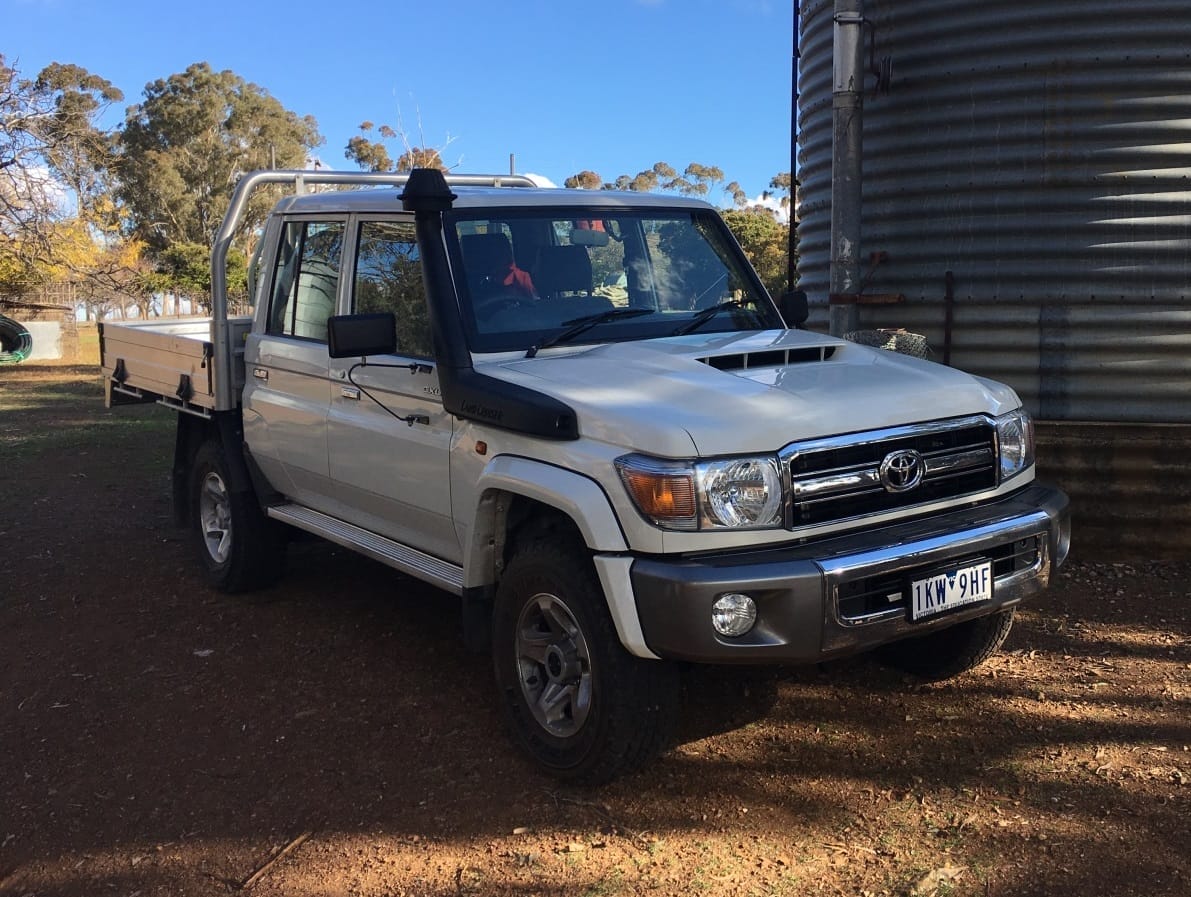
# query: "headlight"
(740, 493)
(1015, 443)
(735, 493)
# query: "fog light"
(733, 614)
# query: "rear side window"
(306, 278)
(389, 278)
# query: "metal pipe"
(847, 118)
(792, 236)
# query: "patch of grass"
(27, 395)
(605, 887)
(109, 434)
(787, 885)
(89, 343)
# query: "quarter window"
(389, 279)
(306, 279)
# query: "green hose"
(16, 342)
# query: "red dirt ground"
(333, 737)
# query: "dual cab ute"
(581, 414)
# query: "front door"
(389, 439)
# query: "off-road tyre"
(552, 628)
(949, 652)
(240, 548)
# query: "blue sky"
(613, 86)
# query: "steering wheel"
(494, 303)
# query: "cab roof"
(388, 200)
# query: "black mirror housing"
(349, 336)
(794, 308)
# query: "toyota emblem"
(902, 470)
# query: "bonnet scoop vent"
(770, 358)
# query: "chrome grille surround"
(842, 478)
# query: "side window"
(389, 278)
(306, 278)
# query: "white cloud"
(772, 202)
(540, 180)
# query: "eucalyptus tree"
(373, 155)
(184, 146)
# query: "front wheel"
(951, 651)
(583, 707)
(240, 548)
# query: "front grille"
(840, 479)
(859, 600)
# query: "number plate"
(950, 589)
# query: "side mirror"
(794, 308)
(349, 336)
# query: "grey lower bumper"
(833, 597)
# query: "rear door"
(287, 389)
(389, 438)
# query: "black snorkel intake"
(466, 393)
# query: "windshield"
(532, 279)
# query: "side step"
(408, 560)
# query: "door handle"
(348, 392)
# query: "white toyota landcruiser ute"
(582, 414)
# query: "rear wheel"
(950, 651)
(583, 707)
(240, 548)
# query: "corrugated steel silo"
(1026, 191)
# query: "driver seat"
(564, 273)
(487, 258)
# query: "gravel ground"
(333, 738)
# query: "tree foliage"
(184, 270)
(696, 179)
(77, 151)
(740, 199)
(782, 186)
(131, 213)
(118, 277)
(185, 145)
(370, 155)
(373, 155)
(765, 241)
(55, 168)
(584, 180)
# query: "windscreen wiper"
(706, 315)
(581, 325)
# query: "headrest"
(485, 254)
(562, 269)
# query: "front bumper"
(832, 598)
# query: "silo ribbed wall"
(1041, 154)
